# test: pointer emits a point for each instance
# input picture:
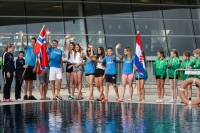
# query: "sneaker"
(104, 100)
(171, 101)
(70, 97)
(25, 97)
(6, 100)
(32, 98)
(20, 99)
(10, 100)
(161, 100)
(158, 100)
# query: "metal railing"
(149, 68)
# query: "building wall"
(163, 24)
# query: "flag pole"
(138, 88)
(26, 68)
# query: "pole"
(26, 68)
(138, 88)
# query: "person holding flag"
(56, 66)
(40, 50)
(139, 65)
(128, 72)
(29, 73)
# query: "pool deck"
(64, 93)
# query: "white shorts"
(55, 73)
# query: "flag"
(40, 50)
(139, 58)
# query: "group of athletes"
(96, 67)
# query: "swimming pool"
(96, 117)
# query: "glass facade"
(163, 24)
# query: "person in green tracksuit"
(195, 64)
(173, 63)
(159, 72)
(184, 65)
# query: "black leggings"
(7, 86)
(18, 86)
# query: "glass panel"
(177, 27)
(73, 10)
(74, 26)
(54, 25)
(182, 44)
(198, 42)
(196, 27)
(94, 26)
(153, 44)
(12, 8)
(116, 10)
(178, 2)
(92, 10)
(118, 26)
(121, 1)
(150, 27)
(97, 41)
(195, 12)
(44, 9)
(15, 39)
(12, 25)
(194, 2)
(144, 11)
(176, 12)
(146, 1)
(125, 41)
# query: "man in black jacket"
(19, 67)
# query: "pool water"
(96, 117)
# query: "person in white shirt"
(77, 68)
(69, 54)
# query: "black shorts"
(111, 79)
(29, 75)
(89, 74)
(173, 77)
(99, 72)
(69, 70)
(139, 78)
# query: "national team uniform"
(8, 66)
(19, 63)
(55, 66)
(110, 69)
(29, 75)
(127, 71)
(89, 68)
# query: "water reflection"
(90, 117)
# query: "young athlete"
(127, 71)
(159, 72)
(195, 64)
(140, 80)
(19, 68)
(31, 66)
(173, 63)
(184, 65)
(78, 69)
(69, 54)
(100, 73)
(56, 66)
(8, 71)
(89, 71)
(111, 71)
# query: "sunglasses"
(88, 50)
